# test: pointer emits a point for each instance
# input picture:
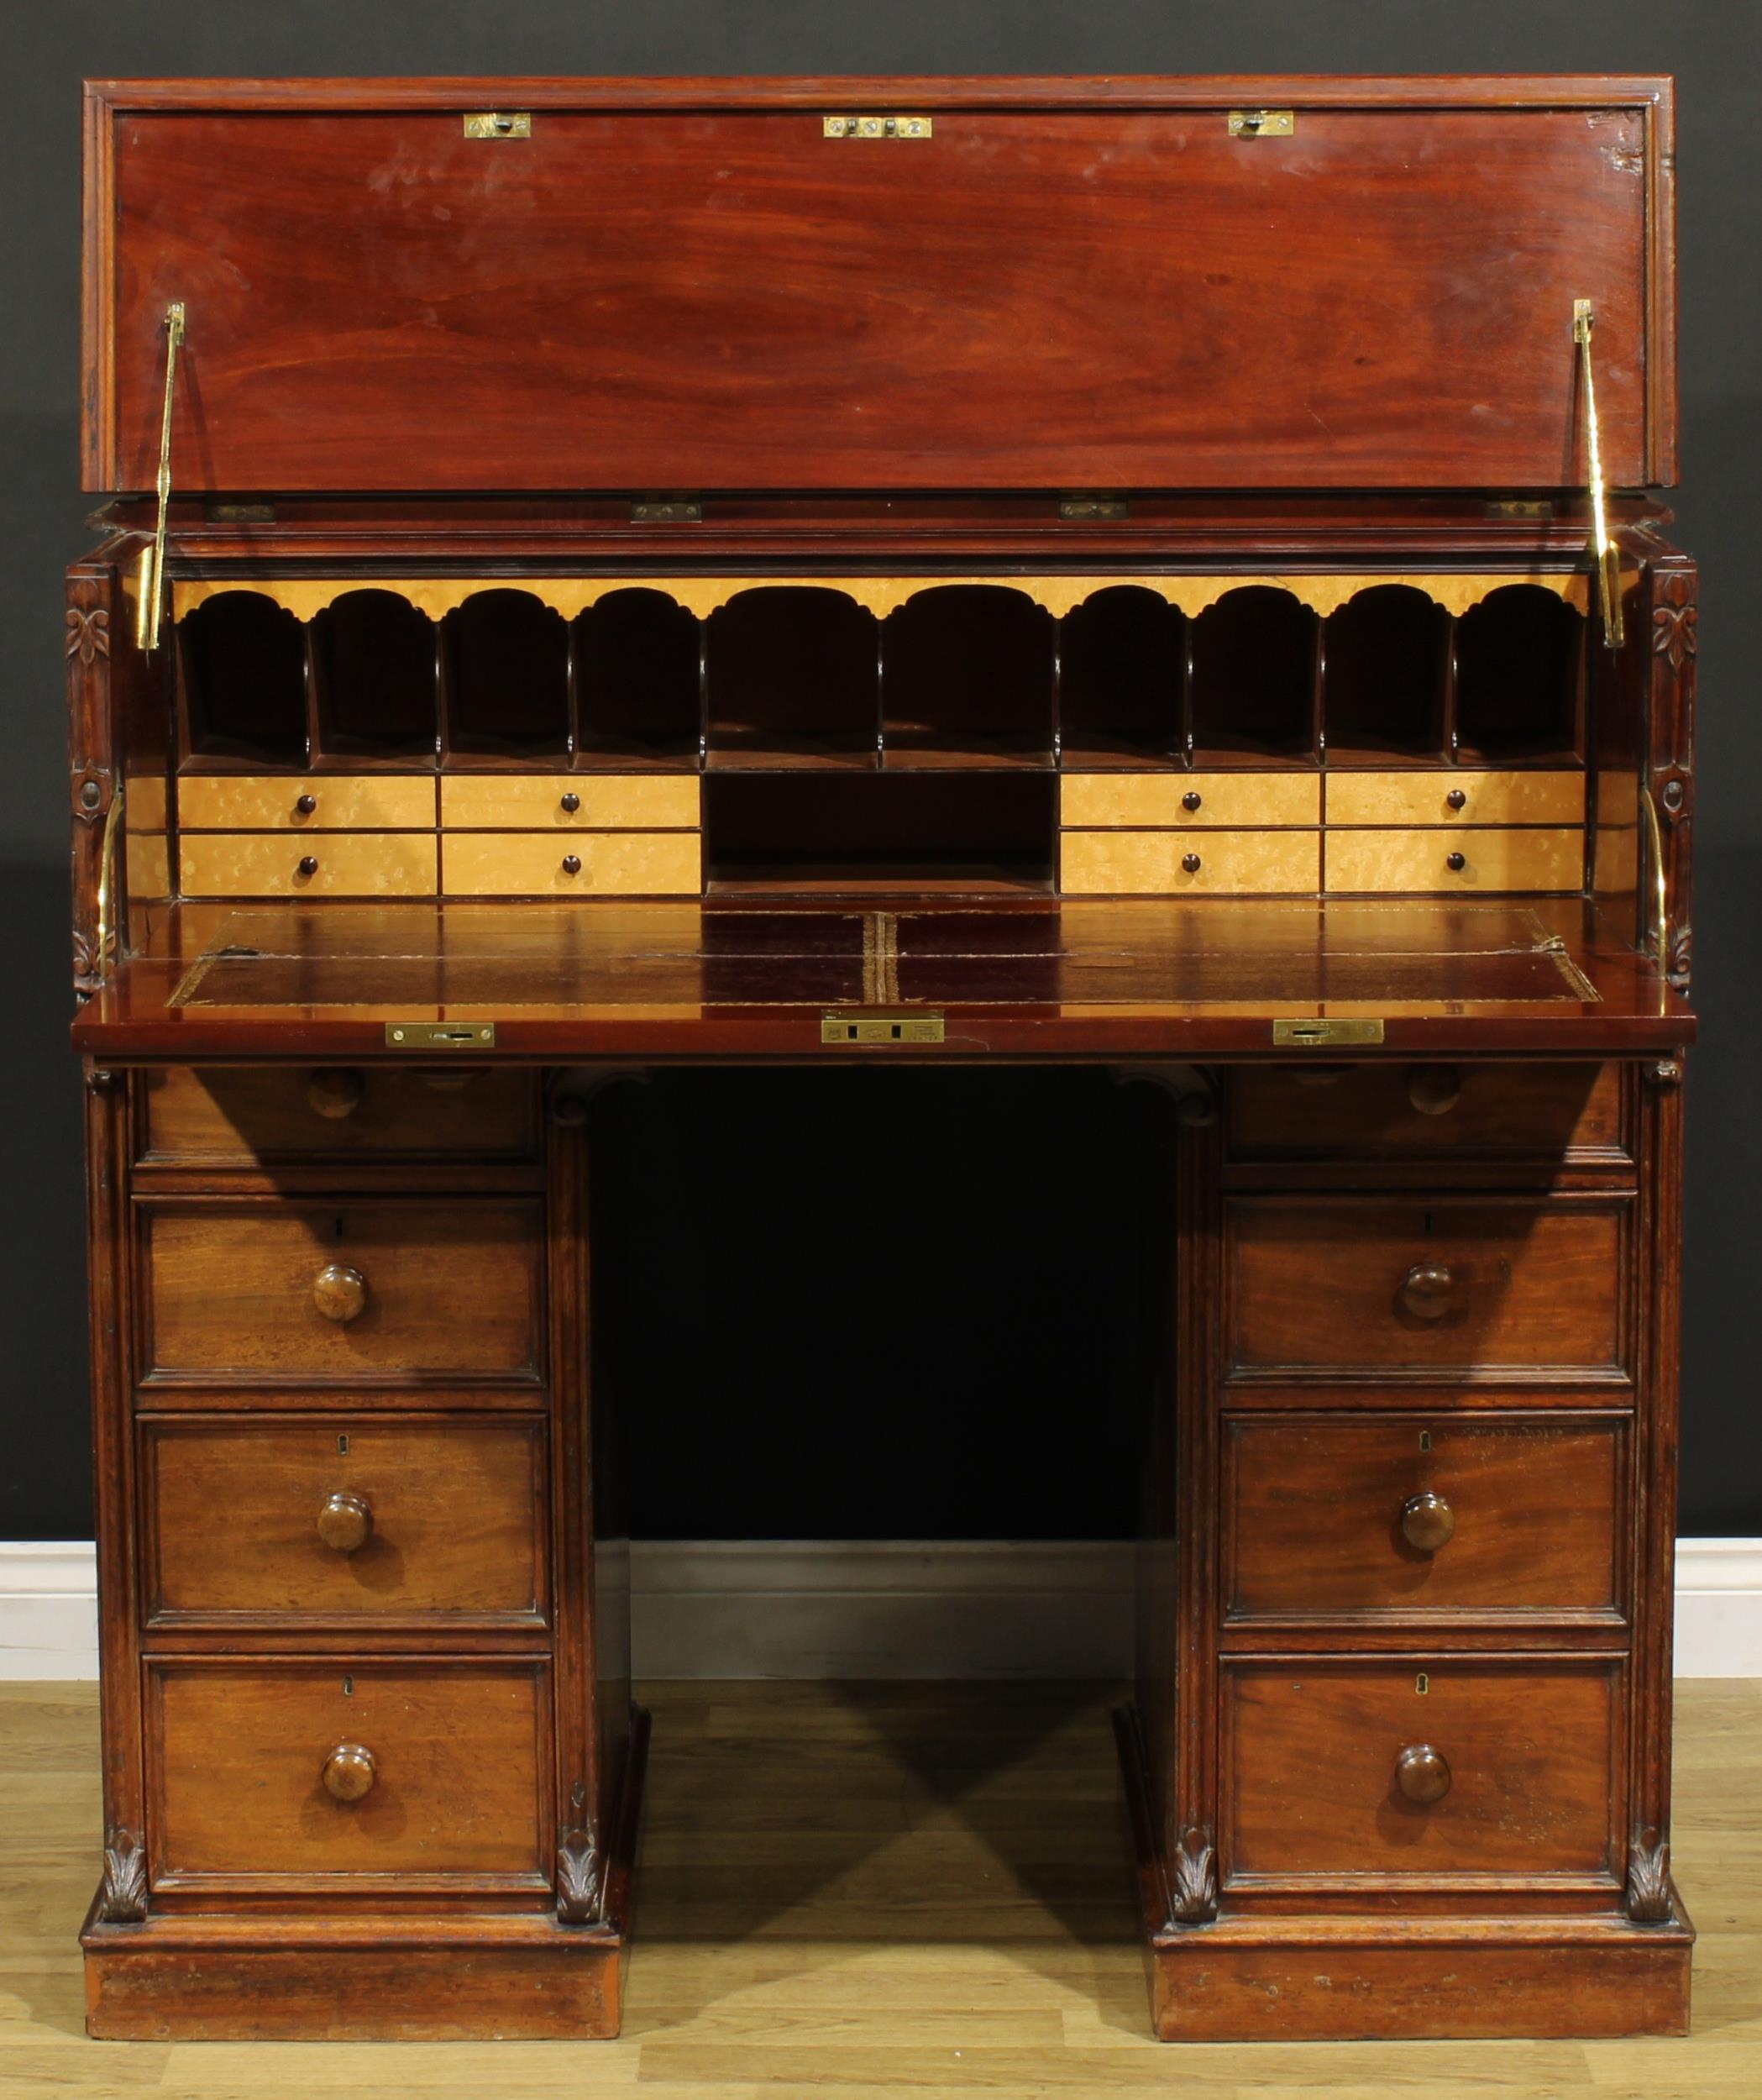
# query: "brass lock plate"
(1310, 1030)
(499, 123)
(836, 1028)
(440, 1035)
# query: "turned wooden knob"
(340, 1292)
(1427, 1521)
(1425, 1290)
(349, 1771)
(572, 864)
(1422, 1773)
(1457, 799)
(1434, 1090)
(571, 803)
(308, 865)
(345, 1523)
(1455, 862)
(1190, 800)
(1190, 861)
(335, 1094)
(306, 804)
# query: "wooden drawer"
(444, 1288)
(1464, 1516)
(1440, 1287)
(1312, 1754)
(1427, 1111)
(345, 864)
(340, 801)
(1423, 797)
(345, 1520)
(607, 863)
(243, 1114)
(1149, 863)
(1194, 801)
(237, 1755)
(618, 802)
(1413, 861)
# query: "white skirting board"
(881, 1609)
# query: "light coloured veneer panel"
(359, 864)
(1402, 862)
(1150, 864)
(341, 801)
(609, 863)
(148, 859)
(1423, 797)
(144, 798)
(1099, 799)
(514, 801)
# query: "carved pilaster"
(1670, 745)
(1194, 1880)
(92, 766)
(580, 1890)
(122, 1896)
(1649, 1883)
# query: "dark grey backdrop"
(805, 1434)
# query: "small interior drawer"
(1455, 794)
(1189, 800)
(569, 801)
(451, 1761)
(1441, 1288)
(340, 864)
(345, 1520)
(305, 802)
(1323, 1758)
(597, 864)
(1376, 862)
(1496, 1516)
(376, 1289)
(244, 1113)
(1544, 1112)
(1101, 864)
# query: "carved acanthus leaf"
(88, 632)
(1194, 1880)
(1674, 635)
(579, 1879)
(1649, 1884)
(122, 1900)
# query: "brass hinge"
(1311, 1029)
(836, 1027)
(669, 509)
(440, 1035)
(1262, 123)
(876, 127)
(499, 123)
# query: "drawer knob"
(1190, 800)
(349, 1771)
(308, 865)
(340, 1292)
(1455, 862)
(1425, 1290)
(1190, 861)
(1457, 799)
(1427, 1521)
(1422, 1773)
(572, 864)
(306, 804)
(571, 802)
(345, 1523)
(1433, 1090)
(334, 1094)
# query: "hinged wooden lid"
(1084, 286)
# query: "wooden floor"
(859, 1889)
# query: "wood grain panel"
(246, 1114)
(1100, 800)
(1372, 1112)
(611, 863)
(1413, 862)
(235, 1753)
(1149, 863)
(1309, 1748)
(1322, 1285)
(514, 801)
(268, 802)
(348, 865)
(450, 1286)
(1416, 796)
(1314, 1507)
(455, 1509)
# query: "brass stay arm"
(1608, 561)
(151, 599)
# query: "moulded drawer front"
(411, 1523)
(414, 1286)
(1194, 800)
(1408, 861)
(342, 864)
(1153, 863)
(1451, 1513)
(607, 863)
(1427, 1111)
(1314, 1752)
(1442, 1287)
(246, 1113)
(512, 801)
(456, 1757)
(1423, 797)
(349, 802)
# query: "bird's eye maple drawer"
(245, 1113)
(376, 1289)
(345, 1520)
(1544, 1112)
(1489, 1517)
(1410, 1769)
(343, 1775)
(1434, 1288)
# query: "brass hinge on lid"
(666, 509)
(1312, 1029)
(499, 123)
(440, 1035)
(876, 127)
(836, 1027)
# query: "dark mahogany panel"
(705, 291)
